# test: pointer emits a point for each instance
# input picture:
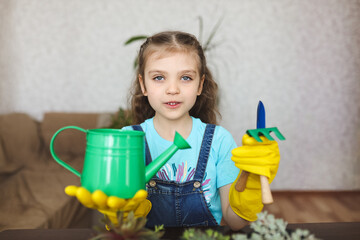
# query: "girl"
(175, 91)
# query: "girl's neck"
(166, 129)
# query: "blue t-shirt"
(181, 167)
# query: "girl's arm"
(229, 216)
(240, 207)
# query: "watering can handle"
(57, 159)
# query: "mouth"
(172, 104)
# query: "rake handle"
(241, 182)
(265, 190)
(266, 195)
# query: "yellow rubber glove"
(111, 205)
(257, 158)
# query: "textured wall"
(301, 58)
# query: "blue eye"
(186, 78)
(158, 78)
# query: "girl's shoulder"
(224, 138)
(144, 125)
(222, 143)
(220, 133)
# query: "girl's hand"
(110, 205)
(257, 158)
(260, 158)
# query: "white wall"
(301, 58)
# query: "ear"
(142, 85)
(201, 85)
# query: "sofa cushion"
(32, 183)
(3, 160)
(37, 200)
(7, 167)
(19, 140)
(68, 142)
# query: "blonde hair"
(205, 106)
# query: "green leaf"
(201, 28)
(212, 34)
(135, 38)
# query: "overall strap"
(204, 152)
(147, 151)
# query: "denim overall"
(181, 204)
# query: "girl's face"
(172, 83)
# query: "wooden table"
(326, 231)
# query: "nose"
(172, 88)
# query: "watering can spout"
(155, 165)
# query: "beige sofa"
(31, 182)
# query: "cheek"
(153, 103)
(148, 87)
(195, 91)
(152, 91)
(193, 96)
(153, 95)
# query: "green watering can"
(115, 160)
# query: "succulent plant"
(268, 227)
(198, 234)
(265, 228)
(130, 227)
